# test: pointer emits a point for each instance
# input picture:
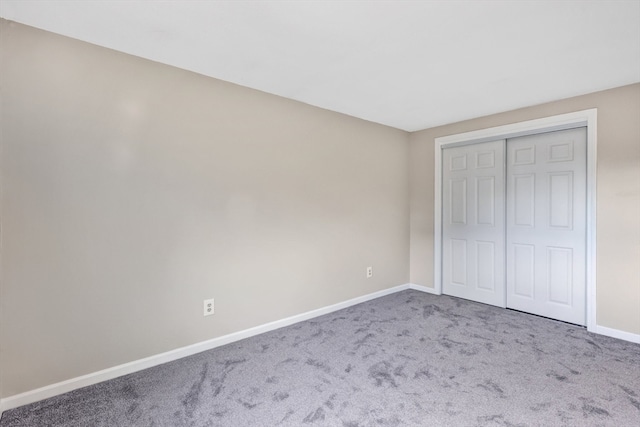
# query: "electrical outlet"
(369, 272)
(208, 307)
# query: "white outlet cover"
(208, 307)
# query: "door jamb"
(576, 119)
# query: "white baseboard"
(424, 289)
(616, 333)
(158, 359)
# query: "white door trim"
(586, 118)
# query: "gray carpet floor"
(407, 359)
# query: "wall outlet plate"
(369, 272)
(208, 307)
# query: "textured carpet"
(407, 359)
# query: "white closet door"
(473, 222)
(546, 223)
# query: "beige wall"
(618, 197)
(133, 190)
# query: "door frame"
(572, 120)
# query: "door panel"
(523, 263)
(459, 261)
(473, 222)
(560, 200)
(560, 268)
(459, 201)
(524, 200)
(546, 224)
(485, 268)
(486, 195)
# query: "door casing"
(576, 119)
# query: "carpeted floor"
(407, 359)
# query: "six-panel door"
(473, 222)
(546, 224)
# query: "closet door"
(473, 222)
(546, 224)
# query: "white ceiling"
(406, 64)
